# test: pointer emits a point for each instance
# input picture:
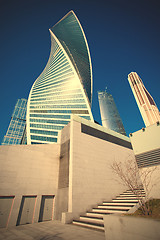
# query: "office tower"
(145, 102)
(109, 114)
(17, 124)
(65, 85)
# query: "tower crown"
(145, 102)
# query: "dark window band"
(104, 136)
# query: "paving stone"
(53, 230)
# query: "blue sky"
(123, 36)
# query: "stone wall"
(124, 228)
(146, 146)
(91, 179)
(28, 170)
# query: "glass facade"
(16, 129)
(65, 85)
(109, 114)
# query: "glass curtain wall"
(65, 85)
(17, 124)
(109, 114)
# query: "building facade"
(65, 85)
(17, 124)
(62, 180)
(109, 114)
(145, 102)
(146, 147)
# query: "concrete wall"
(146, 146)
(91, 179)
(146, 139)
(152, 187)
(28, 170)
(130, 228)
(63, 178)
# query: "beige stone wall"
(147, 143)
(152, 182)
(130, 228)
(63, 178)
(28, 170)
(147, 140)
(91, 179)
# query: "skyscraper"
(109, 114)
(17, 124)
(145, 102)
(65, 85)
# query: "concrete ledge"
(131, 228)
(67, 217)
(133, 209)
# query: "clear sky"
(123, 36)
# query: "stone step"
(91, 219)
(131, 195)
(103, 210)
(114, 207)
(125, 200)
(134, 194)
(91, 215)
(127, 204)
(138, 190)
(89, 225)
(96, 215)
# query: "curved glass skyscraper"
(109, 114)
(65, 85)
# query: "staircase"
(121, 204)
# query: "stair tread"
(125, 199)
(118, 205)
(134, 201)
(90, 223)
(114, 206)
(117, 199)
(130, 195)
(97, 213)
(91, 220)
(108, 209)
(99, 218)
(94, 227)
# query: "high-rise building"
(145, 102)
(17, 124)
(65, 85)
(109, 114)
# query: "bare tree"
(135, 180)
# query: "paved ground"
(50, 230)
